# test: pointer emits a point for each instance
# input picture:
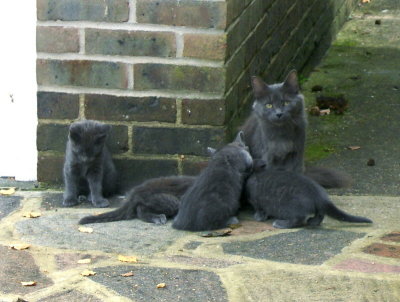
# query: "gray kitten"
(153, 201)
(213, 201)
(88, 166)
(276, 130)
(293, 199)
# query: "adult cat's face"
(278, 103)
(87, 140)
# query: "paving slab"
(8, 204)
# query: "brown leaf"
(32, 214)
(131, 259)
(7, 191)
(353, 148)
(84, 261)
(28, 283)
(87, 273)
(85, 230)
(161, 285)
(129, 274)
(365, 1)
(324, 112)
(19, 247)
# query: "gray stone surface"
(16, 267)
(134, 236)
(71, 296)
(8, 204)
(306, 246)
(181, 285)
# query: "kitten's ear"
(259, 87)
(211, 151)
(291, 83)
(240, 138)
(74, 133)
(101, 137)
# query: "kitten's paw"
(160, 219)
(82, 198)
(101, 203)
(280, 224)
(233, 220)
(259, 216)
(70, 202)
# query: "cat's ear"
(211, 151)
(259, 87)
(291, 83)
(102, 135)
(240, 138)
(75, 133)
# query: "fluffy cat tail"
(338, 214)
(125, 212)
(328, 178)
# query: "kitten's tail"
(125, 212)
(338, 214)
(328, 178)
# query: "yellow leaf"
(132, 259)
(32, 214)
(7, 191)
(29, 283)
(161, 285)
(85, 261)
(365, 1)
(19, 247)
(85, 230)
(127, 274)
(87, 273)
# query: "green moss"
(318, 151)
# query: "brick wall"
(171, 76)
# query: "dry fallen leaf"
(19, 247)
(365, 1)
(352, 148)
(29, 283)
(85, 230)
(129, 274)
(85, 261)
(324, 112)
(87, 273)
(132, 259)
(7, 191)
(32, 214)
(161, 285)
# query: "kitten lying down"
(154, 201)
(293, 199)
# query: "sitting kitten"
(88, 167)
(214, 199)
(291, 198)
(276, 130)
(154, 201)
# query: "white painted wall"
(18, 117)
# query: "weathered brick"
(177, 77)
(117, 140)
(140, 109)
(130, 43)
(203, 112)
(53, 105)
(52, 137)
(191, 13)
(81, 73)
(134, 171)
(383, 250)
(49, 169)
(88, 10)
(193, 167)
(148, 140)
(205, 46)
(57, 39)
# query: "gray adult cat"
(276, 130)
(153, 201)
(213, 201)
(88, 166)
(293, 199)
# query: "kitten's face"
(87, 140)
(278, 103)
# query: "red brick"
(394, 236)
(365, 266)
(383, 250)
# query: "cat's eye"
(286, 103)
(268, 106)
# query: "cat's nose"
(279, 115)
